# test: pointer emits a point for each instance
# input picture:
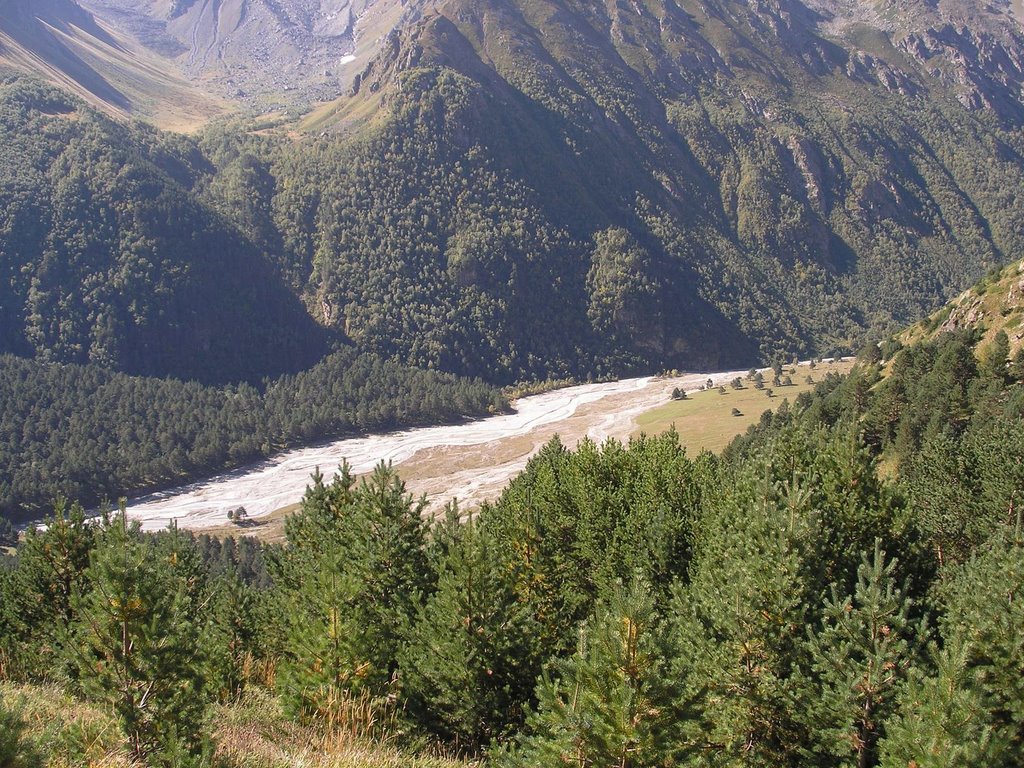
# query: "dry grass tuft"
(66, 731)
(251, 733)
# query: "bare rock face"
(265, 52)
(974, 49)
(984, 67)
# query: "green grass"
(705, 421)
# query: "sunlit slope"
(995, 304)
(58, 40)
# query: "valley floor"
(471, 462)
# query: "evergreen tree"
(349, 581)
(469, 666)
(859, 658)
(984, 613)
(942, 721)
(135, 642)
(52, 567)
(1016, 369)
(614, 702)
(325, 661)
(996, 357)
(971, 711)
(233, 636)
(736, 636)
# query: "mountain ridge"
(523, 189)
(65, 44)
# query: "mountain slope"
(533, 188)
(800, 179)
(995, 304)
(108, 256)
(262, 53)
(62, 42)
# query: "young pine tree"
(942, 721)
(971, 712)
(134, 641)
(232, 636)
(613, 703)
(348, 584)
(468, 668)
(52, 566)
(859, 659)
(737, 628)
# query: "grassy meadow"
(706, 421)
(58, 730)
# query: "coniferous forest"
(85, 432)
(841, 587)
(510, 193)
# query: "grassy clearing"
(706, 421)
(61, 731)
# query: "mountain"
(524, 189)
(109, 256)
(262, 53)
(994, 304)
(61, 41)
(784, 173)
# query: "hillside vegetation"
(531, 189)
(786, 604)
(107, 255)
(994, 305)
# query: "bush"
(15, 751)
(8, 536)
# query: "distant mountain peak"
(264, 53)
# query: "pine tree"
(52, 567)
(859, 658)
(468, 668)
(389, 558)
(134, 640)
(613, 703)
(942, 721)
(349, 582)
(996, 357)
(232, 636)
(325, 663)
(971, 711)
(984, 612)
(736, 638)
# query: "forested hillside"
(107, 256)
(838, 589)
(728, 178)
(520, 190)
(84, 432)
